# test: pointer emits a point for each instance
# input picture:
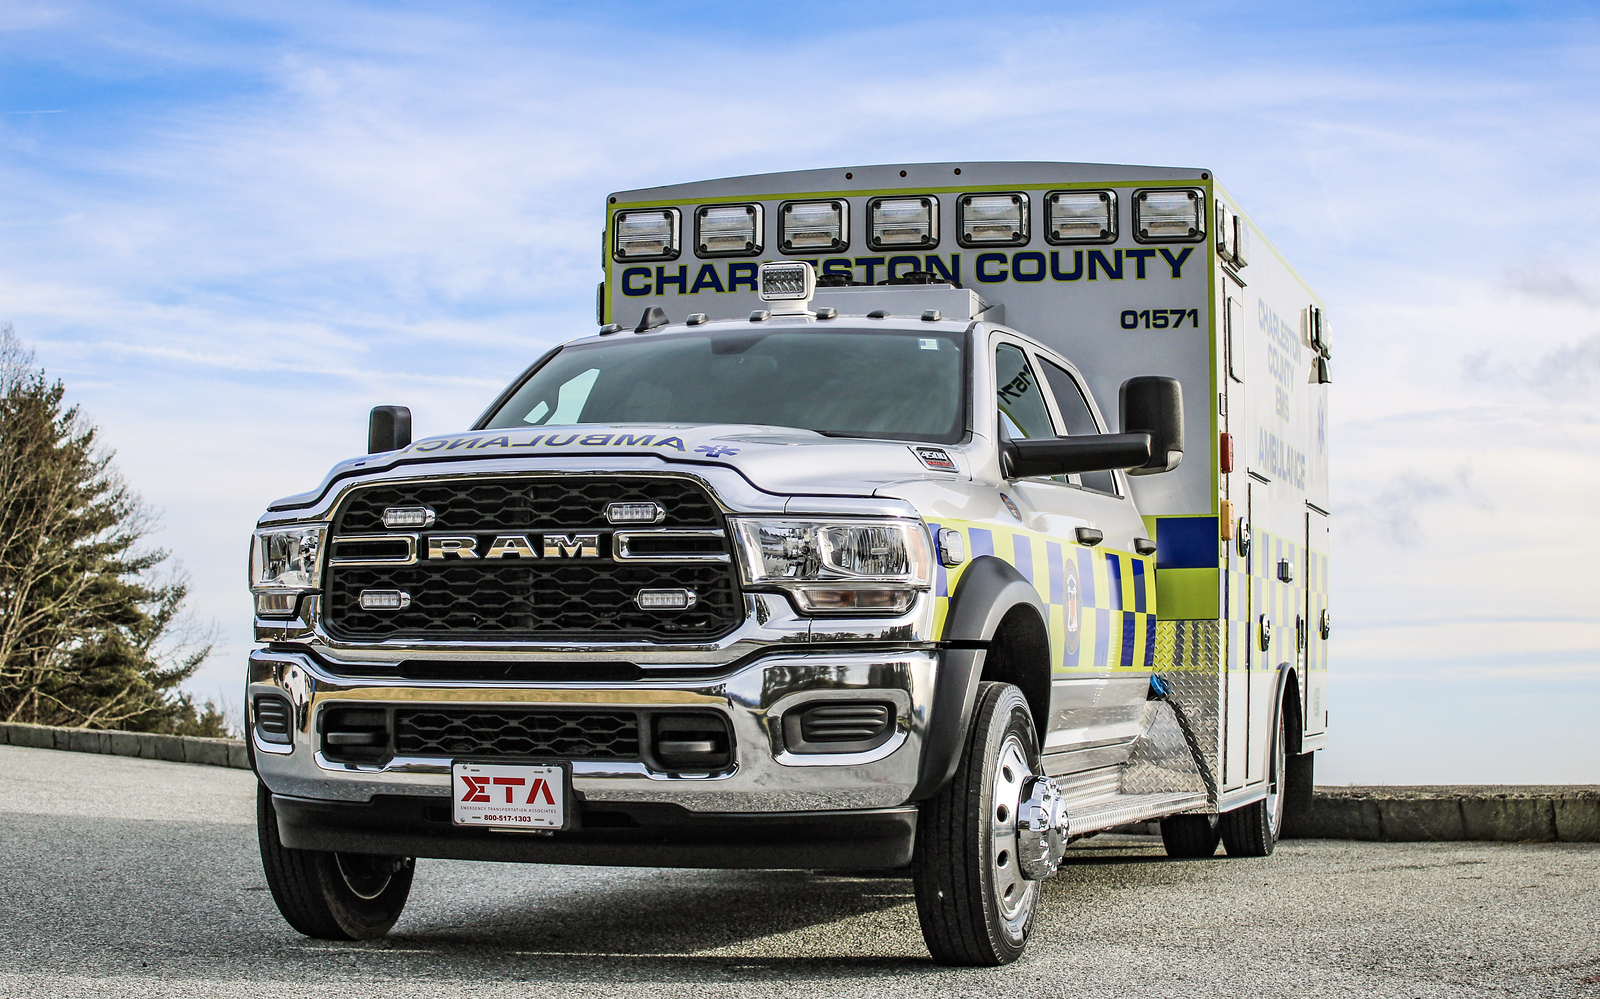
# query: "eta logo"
(478, 789)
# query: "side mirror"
(1070, 455)
(388, 429)
(1153, 404)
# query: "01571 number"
(1159, 319)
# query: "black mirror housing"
(388, 429)
(1071, 455)
(1153, 404)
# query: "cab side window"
(1078, 419)
(1023, 413)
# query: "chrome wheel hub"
(1013, 891)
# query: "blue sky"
(241, 228)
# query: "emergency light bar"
(650, 234)
(993, 220)
(1081, 217)
(1169, 216)
(902, 222)
(791, 282)
(813, 226)
(727, 230)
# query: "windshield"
(851, 383)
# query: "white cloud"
(254, 224)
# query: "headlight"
(837, 567)
(284, 564)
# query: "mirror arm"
(1072, 455)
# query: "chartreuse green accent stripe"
(1186, 594)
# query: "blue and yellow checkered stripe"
(1114, 591)
(1254, 591)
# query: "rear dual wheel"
(1252, 831)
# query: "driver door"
(1099, 596)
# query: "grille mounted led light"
(646, 234)
(788, 284)
(727, 230)
(408, 516)
(385, 600)
(634, 513)
(903, 222)
(1172, 216)
(814, 226)
(993, 219)
(1080, 217)
(673, 599)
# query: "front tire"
(331, 896)
(975, 906)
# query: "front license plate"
(509, 796)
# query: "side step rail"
(1122, 809)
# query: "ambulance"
(912, 518)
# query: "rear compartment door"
(1317, 626)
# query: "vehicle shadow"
(594, 912)
(179, 900)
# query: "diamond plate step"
(1122, 809)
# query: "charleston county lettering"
(988, 268)
(554, 440)
(1283, 356)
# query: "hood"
(775, 460)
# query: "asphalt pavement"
(131, 877)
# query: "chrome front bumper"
(765, 775)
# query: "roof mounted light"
(646, 234)
(727, 230)
(894, 223)
(814, 226)
(788, 285)
(993, 219)
(1171, 216)
(1080, 217)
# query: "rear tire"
(974, 905)
(1187, 837)
(331, 896)
(1252, 831)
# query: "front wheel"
(975, 905)
(331, 896)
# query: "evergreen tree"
(91, 630)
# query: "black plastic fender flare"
(1286, 676)
(989, 589)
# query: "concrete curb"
(144, 745)
(1568, 813)
(1503, 813)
